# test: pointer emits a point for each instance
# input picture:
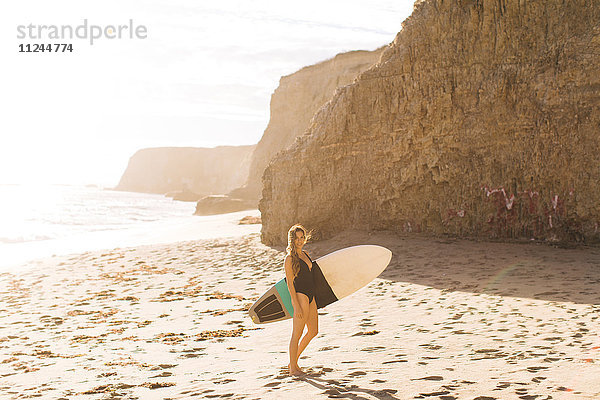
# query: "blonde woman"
(300, 281)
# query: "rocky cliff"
(297, 98)
(203, 171)
(481, 119)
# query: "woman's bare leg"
(297, 328)
(312, 323)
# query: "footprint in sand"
(328, 348)
(372, 349)
(164, 374)
(357, 373)
(432, 394)
(106, 374)
(223, 381)
(369, 333)
(429, 378)
(535, 369)
(431, 346)
(333, 393)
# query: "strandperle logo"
(83, 31)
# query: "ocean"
(52, 220)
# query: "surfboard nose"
(377, 254)
(349, 269)
(381, 256)
(386, 254)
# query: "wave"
(24, 239)
(68, 212)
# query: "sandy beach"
(448, 319)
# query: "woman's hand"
(297, 311)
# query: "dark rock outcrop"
(183, 195)
(202, 171)
(249, 220)
(221, 204)
(481, 119)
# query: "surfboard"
(336, 275)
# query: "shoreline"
(449, 318)
(192, 227)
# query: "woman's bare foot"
(296, 371)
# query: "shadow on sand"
(337, 390)
(527, 270)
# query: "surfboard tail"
(275, 305)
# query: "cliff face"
(294, 103)
(203, 171)
(481, 119)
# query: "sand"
(448, 319)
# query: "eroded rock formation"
(293, 104)
(221, 204)
(203, 171)
(481, 119)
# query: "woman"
(299, 277)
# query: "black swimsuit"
(304, 282)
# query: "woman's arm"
(289, 277)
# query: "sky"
(202, 76)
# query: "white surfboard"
(336, 275)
